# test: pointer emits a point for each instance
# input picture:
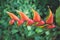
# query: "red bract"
(11, 22)
(23, 16)
(36, 16)
(12, 16)
(40, 23)
(19, 22)
(51, 26)
(30, 22)
(50, 18)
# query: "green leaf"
(58, 16)
(47, 32)
(39, 30)
(37, 37)
(14, 31)
(30, 33)
(29, 27)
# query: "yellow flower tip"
(48, 6)
(7, 12)
(17, 11)
(49, 9)
(33, 10)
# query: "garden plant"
(29, 19)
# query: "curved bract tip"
(23, 16)
(12, 16)
(36, 16)
(17, 11)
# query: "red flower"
(50, 18)
(36, 16)
(23, 16)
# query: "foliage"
(14, 32)
(57, 16)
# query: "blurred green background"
(12, 32)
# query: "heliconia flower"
(36, 16)
(49, 20)
(20, 22)
(12, 16)
(11, 22)
(40, 23)
(51, 26)
(30, 22)
(23, 16)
